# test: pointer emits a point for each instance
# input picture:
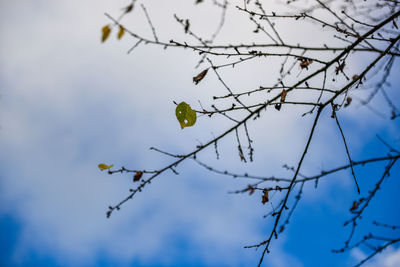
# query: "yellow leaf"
(103, 166)
(106, 30)
(121, 32)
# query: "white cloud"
(390, 257)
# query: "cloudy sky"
(69, 102)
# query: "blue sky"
(69, 102)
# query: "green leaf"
(185, 115)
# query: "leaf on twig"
(251, 189)
(137, 176)
(103, 166)
(128, 8)
(355, 206)
(242, 158)
(185, 115)
(265, 197)
(121, 32)
(187, 25)
(106, 30)
(200, 76)
(283, 95)
(305, 62)
(340, 68)
(348, 102)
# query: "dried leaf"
(305, 62)
(187, 25)
(121, 32)
(103, 166)
(137, 176)
(106, 30)
(355, 206)
(355, 77)
(348, 102)
(251, 189)
(200, 76)
(340, 68)
(242, 158)
(283, 95)
(185, 115)
(394, 115)
(128, 8)
(265, 197)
